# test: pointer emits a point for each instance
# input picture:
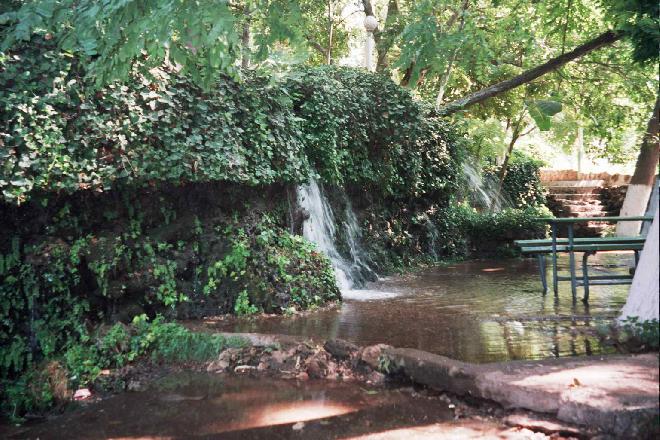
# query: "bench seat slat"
(584, 248)
(590, 240)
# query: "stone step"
(574, 196)
(577, 183)
(573, 189)
(569, 202)
(597, 211)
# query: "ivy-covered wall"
(156, 196)
(60, 135)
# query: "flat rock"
(537, 423)
(371, 355)
(616, 394)
(340, 349)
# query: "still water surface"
(199, 405)
(478, 311)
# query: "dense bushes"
(184, 252)
(405, 236)
(81, 363)
(112, 204)
(158, 197)
(522, 182)
(60, 135)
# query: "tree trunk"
(602, 40)
(384, 39)
(515, 135)
(444, 80)
(641, 183)
(643, 298)
(245, 42)
(452, 59)
(330, 34)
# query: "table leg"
(571, 256)
(555, 283)
(585, 277)
(544, 281)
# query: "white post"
(370, 24)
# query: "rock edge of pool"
(577, 397)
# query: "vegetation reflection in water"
(184, 405)
(478, 311)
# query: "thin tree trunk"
(445, 79)
(602, 40)
(452, 59)
(384, 39)
(502, 174)
(330, 32)
(245, 42)
(641, 183)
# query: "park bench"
(589, 246)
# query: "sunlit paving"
(338, 219)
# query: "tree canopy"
(444, 50)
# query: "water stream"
(477, 311)
(484, 193)
(352, 270)
(480, 311)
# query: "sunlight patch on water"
(367, 294)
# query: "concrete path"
(616, 394)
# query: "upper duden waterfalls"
(351, 270)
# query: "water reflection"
(199, 405)
(479, 311)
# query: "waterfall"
(432, 234)
(483, 193)
(320, 228)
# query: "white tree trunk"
(643, 298)
(637, 197)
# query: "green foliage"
(60, 135)
(522, 182)
(66, 136)
(644, 334)
(639, 20)
(108, 348)
(542, 111)
(171, 342)
(491, 233)
(112, 37)
(364, 130)
(274, 271)
(398, 238)
(243, 306)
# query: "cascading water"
(485, 194)
(351, 271)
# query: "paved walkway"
(616, 394)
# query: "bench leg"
(555, 281)
(585, 276)
(571, 255)
(544, 280)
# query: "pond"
(478, 311)
(200, 405)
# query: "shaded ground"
(476, 311)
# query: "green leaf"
(542, 112)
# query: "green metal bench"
(589, 246)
